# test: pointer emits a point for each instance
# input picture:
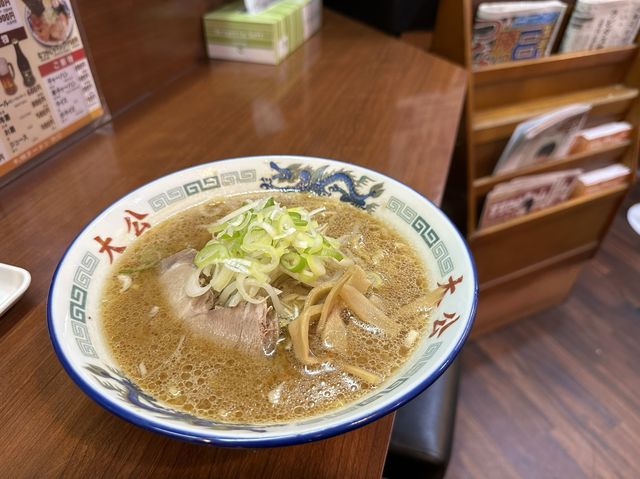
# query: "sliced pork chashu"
(252, 328)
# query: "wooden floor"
(558, 395)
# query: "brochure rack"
(531, 262)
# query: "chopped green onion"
(293, 262)
(254, 244)
(331, 253)
(211, 253)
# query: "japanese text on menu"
(47, 90)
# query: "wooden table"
(349, 93)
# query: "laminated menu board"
(47, 90)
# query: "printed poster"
(47, 90)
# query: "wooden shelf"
(584, 251)
(601, 156)
(495, 123)
(564, 206)
(531, 262)
(528, 291)
(504, 72)
(531, 240)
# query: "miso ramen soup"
(264, 309)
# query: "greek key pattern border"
(83, 340)
(78, 303)
(204, 184)
(164, 199)
(237, 177)
(426, 232)
(178, 193)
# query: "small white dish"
(14, 282)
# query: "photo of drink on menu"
(48, 91)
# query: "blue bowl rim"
(286, 440)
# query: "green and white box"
(231, 33)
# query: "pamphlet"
(527, 194)
(47, 88)
(508, 31)
(598, 24)
(601, 136)
(543, 137)
(601, 179)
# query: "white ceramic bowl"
(73, 315)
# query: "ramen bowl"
(74, 298)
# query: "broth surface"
(161, 355)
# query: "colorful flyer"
(47, 89)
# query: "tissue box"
(266, 37)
